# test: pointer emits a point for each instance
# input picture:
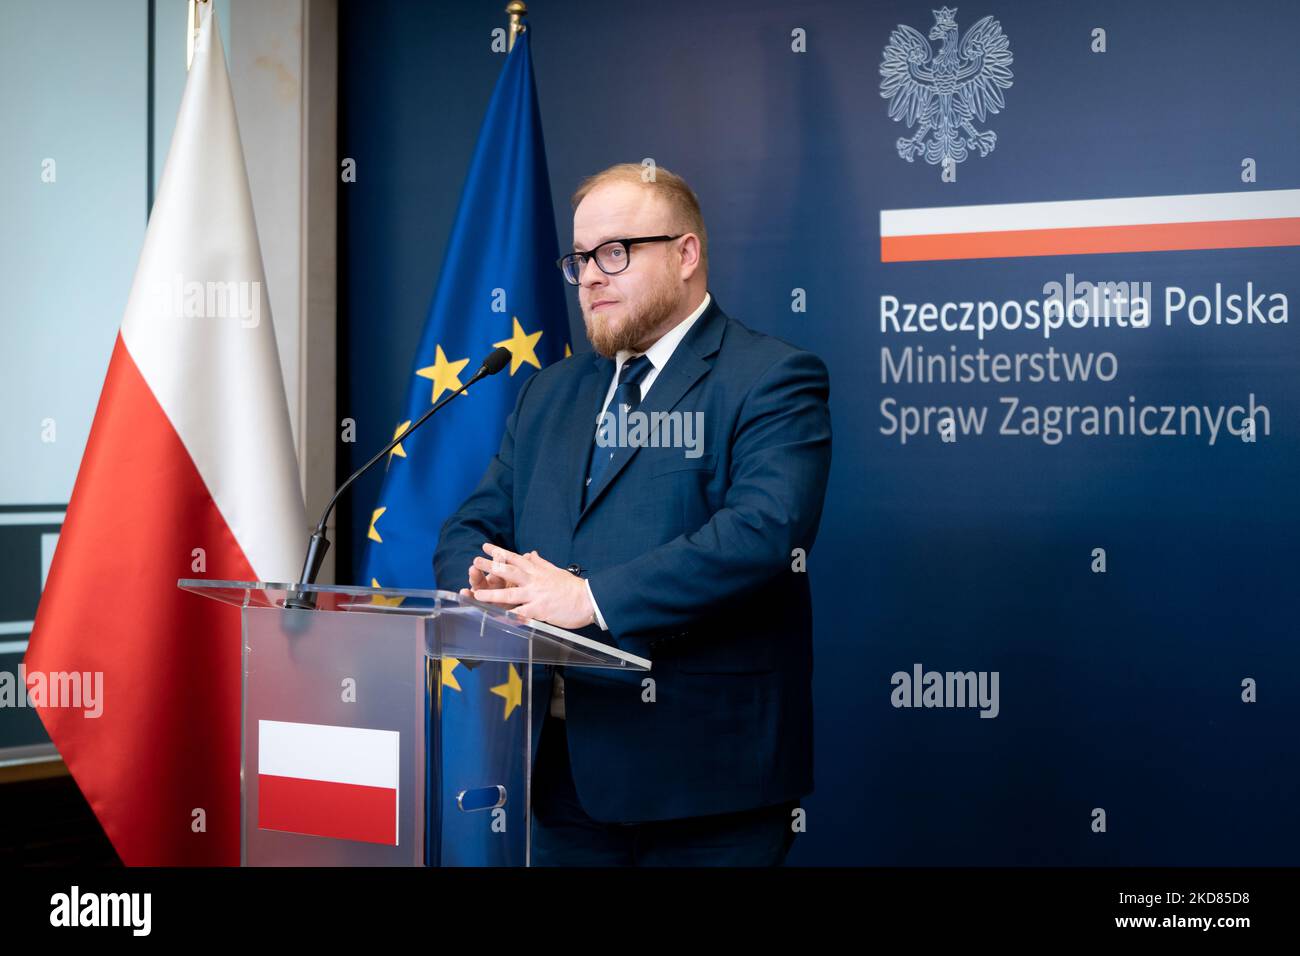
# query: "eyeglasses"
(611, 257)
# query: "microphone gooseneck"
(319, 544)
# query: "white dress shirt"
(659, 354)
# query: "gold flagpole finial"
(192, 31)
(517, 11)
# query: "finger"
(510, 572)
(481, 579)
(498, 553)
(489, 578)
(500, 595)
(523, 610)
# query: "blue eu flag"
(499, 287)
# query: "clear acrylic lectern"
(389, 727)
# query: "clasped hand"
(531, 587)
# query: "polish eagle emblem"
(948, 91)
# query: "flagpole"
(517, 11)
(192, 31)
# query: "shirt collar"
(662, 350)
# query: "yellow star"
(511, 690)
(445, 375)
(567, 350)
(522, 347)
(372, 534)
(449, 665)
(380, 599)
(398, 450)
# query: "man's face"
(631, 309)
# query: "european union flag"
(498, 287)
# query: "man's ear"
(690, 255)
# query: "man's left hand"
(539, 589)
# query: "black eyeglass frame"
(627, 245)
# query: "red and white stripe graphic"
(339, 782)
(189, 471)
(1084, 226)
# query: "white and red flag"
(189, 471)
(339, 782)
(1239, 220)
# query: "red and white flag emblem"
(338, 782)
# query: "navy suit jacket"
(693, 564)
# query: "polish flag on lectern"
(337, 782)
(189, 471)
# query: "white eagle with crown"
(946, 92)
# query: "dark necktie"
(627, 393)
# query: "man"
(691, 556)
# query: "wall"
(1120, 691)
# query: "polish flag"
(1240, 220)
(338, 782)
(189, 471)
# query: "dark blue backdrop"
(1119, 691)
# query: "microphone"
(318, 543)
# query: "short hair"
(671, 189)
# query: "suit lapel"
(686, 366)
(580, 430)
